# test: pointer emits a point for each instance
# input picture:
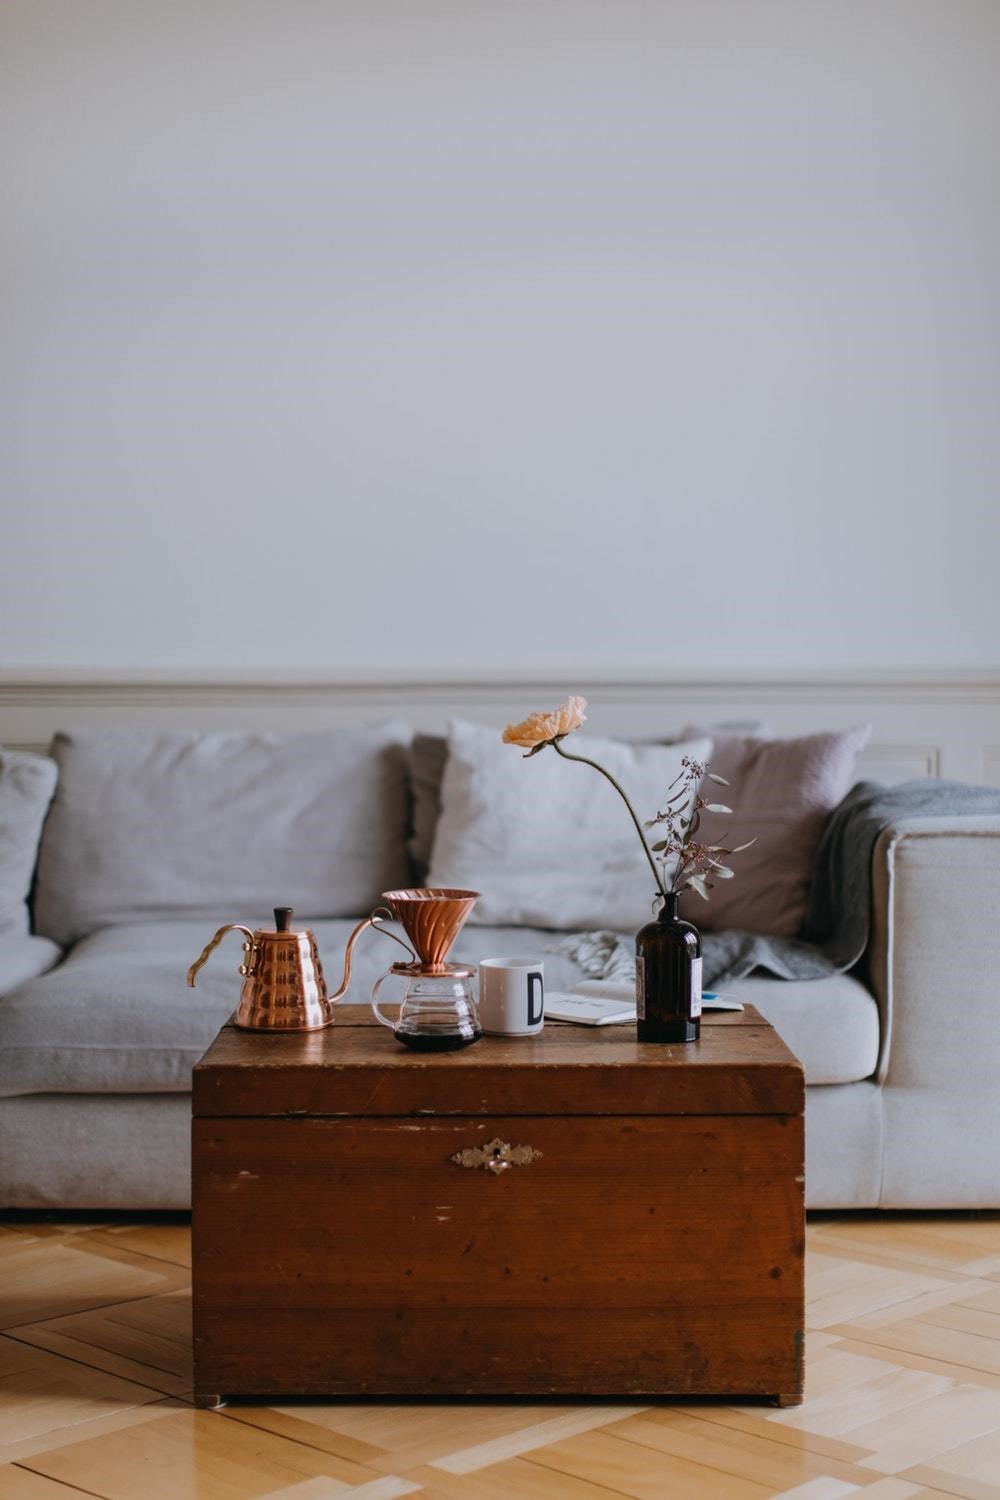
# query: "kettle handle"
(248, 949)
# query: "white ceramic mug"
(512, 996)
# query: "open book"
(599, 1002)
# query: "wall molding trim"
(940, 685)
(935, 723)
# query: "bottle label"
(640, 988)
(695, 988)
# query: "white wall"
(441, 334)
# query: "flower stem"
(584, 761)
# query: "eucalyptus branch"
(684, 859)
(585, 761)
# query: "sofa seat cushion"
(117, 1017)
(832, 1025)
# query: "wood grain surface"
(356, 1067)
(633, 1255)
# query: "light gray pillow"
(26, 786)
(545, 842)
(148, 825)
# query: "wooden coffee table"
(573, 1213)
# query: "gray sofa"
(98, 1032)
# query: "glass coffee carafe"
(438, 1010)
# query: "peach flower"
(541, 729)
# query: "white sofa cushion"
(148, 825)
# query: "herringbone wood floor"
(903, 1391)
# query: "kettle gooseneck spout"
(375, 920)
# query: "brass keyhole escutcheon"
(496, 1156)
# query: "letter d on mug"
(512, 996)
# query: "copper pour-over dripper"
(432, 917)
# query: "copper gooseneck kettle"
(283, 984)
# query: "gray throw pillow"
(428, 758)
(26, 786)
(148, 825)
(781, 793)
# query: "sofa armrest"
(934, 954)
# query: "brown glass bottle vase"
(668, 978)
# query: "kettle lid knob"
(282, 918)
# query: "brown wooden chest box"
(574, 1213)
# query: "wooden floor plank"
(302, 1425)
(922, 1432)
(840, 1409)
(512, 1479)
(643, 1472)
(191, 1453)
(839, 1290)
(170, 1242)
(21, 1484)
(536, 1429)
(758, 1422)
(970, 1353)
(53, 1277)
(147, 1341)
(742, 1454)
(968, 1245)
(99, 1424)
(962, 1293)
(43, 1394)
(912, 1361)
(976, 1464)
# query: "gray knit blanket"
(835, 934)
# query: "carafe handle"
(375, 989)
(379, 915)
(246, 967)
